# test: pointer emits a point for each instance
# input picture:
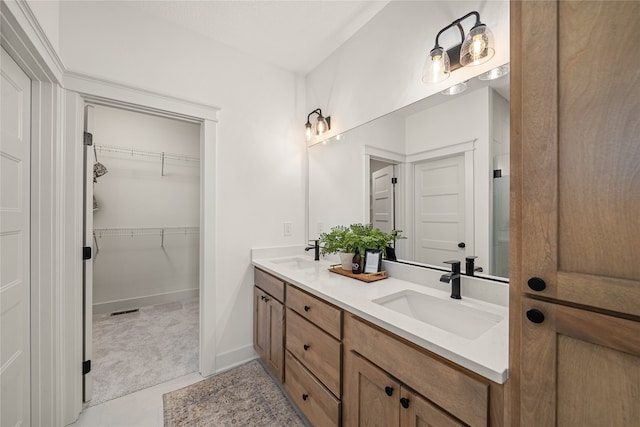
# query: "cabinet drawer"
(270, 284)
(318, 351)
(318, 312)
(313, 399)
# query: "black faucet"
(469, 268)
(454, 278)
(316, 250)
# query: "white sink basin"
(451, 316)
(296, 263)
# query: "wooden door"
(575, 202)
(439, 210)
(382, 199)
(275, 344)
(371, 397)
(416, 411)
(15, 171)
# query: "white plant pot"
(346, 258)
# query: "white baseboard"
(233, 358)
(131, 303)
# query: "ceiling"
(296, 35)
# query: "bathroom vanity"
(392, 352)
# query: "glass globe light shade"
(477, 47)
(321, 125)
(455, 89)
(437, 67)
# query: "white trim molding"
(27, 43)
(101, 91)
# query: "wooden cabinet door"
(268, 331)
(371, 398)
(580, 368)
(575, 203)
(275, 356)
(416, 411)
(576, 134)
(260, 323)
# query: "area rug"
(243, 396)
(138, 350)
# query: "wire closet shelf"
(99, 233)
(154, 154)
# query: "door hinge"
(86, 253)
(497, 173)
(88, 138)
(394, 180)
(86, 367)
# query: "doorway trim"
(98, 91)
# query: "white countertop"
(486, 355)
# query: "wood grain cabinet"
(268, 318)
(389, 381)
(575, 198)
(377, 399)
(313, 361)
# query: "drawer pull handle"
(404, 402)
(305, 396)
(306, 347)
(388, 390)
(307, 308)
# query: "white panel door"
(15, 149)
(439, 210)
(382, 199)
(87, 270)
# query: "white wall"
(260, 168)
(133, 271)
(379, 69)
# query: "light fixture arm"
(457, 24)
(317, 111)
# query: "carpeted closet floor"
(137, 350)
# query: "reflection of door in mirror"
(382, 195)
(439, 205)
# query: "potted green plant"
(339, 240)
(346, 241)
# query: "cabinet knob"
(536, 284)
(404, 402)
(305, 396)
(461, 245)
(388, 390)
(262, 297)
(536, 316)
(306, 347)
(307, 308)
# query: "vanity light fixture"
(474, 49)
(322, 124)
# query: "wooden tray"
(370, 277)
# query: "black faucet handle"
(470, 258)
(455, 265)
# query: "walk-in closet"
(145, 226)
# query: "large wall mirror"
(437, 169)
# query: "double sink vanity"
(397, 351)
